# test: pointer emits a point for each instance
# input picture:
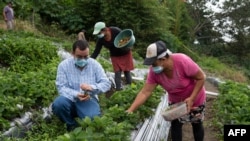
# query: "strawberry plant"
(100, 128)
(232, 105)
(29, 80)
(115, 124)
(22, 53)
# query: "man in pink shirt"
(183, 80)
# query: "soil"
(210, 132)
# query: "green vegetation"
(28, 61)
(232, 105)
(32, 85)
(214, 67)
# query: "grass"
(21, 25)
(213, 67)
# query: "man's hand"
(86, 87)
(83, 97)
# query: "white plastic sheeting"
(19, 126)
(154, 128)
(63, 54)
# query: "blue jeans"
(66, 110)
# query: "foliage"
(20, 52)
(230, 23)
(236, 12)
(147, 28)
(124, 98)
(106, 64)
(202, 27)
(100, 128)
(30, 89)
(35, 88)
(43, 130)
(70, 16)
(216, 68)
(180, 20)
(27, 78)
(115, 123)
(232, 105)
(143, 17)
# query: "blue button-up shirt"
(70, 77)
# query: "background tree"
(148, 19)
(214, 27)
(236, 24)
(151, 20)
(180, 20)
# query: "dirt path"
(210, 134)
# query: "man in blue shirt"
(79, 81)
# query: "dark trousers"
(176, 130)
(118, 81)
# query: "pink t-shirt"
(181, 85)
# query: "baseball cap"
(155, 51)
(98, 27)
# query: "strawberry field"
(28, 64)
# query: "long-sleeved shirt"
(114, 51)
(70, 77)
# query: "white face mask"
(157, 69)
(81, 62)
(100, 35)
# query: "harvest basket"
(174, 111)
(125, 39)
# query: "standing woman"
(121, 58)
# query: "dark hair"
(81, 44)
(103, 29)
(167, 55)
